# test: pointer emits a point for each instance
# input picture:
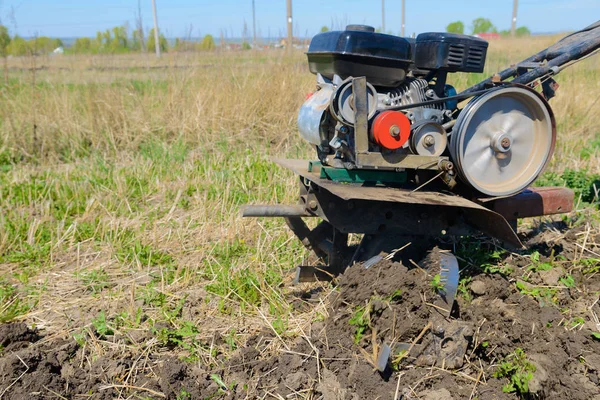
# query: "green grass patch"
(12, 304)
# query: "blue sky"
(63, 18)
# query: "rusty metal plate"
(379, 193)
(475, 214)
(535, 202)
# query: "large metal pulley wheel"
(503, 140)
(342, 102)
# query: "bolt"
(430, 93)
(313, 205)
(446, 165)
(429, 140)
(394, 130)
(343, 129)
(505, 143)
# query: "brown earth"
(335, 359)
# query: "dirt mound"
(59, 368)
(502, 341)
(15, 336)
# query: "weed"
(576, 322)
(481, 258)
(79, 338)
(223, 388)
(539, 293)
(590, 265)
(183, 336)
(436, 284)
(397, 360)
(361, 320)
(101, 326)
(537, 265)
(518, 370)
(396, 295)
(596, 335)
(230, 339)
(463, 288)
(568, 281)
(183, 395)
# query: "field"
(126, 270)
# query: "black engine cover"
(450, 52)
(385, 59)
(359, 51)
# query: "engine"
(382, 103)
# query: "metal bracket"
(375, 160)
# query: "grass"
(121, 179)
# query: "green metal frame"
(357, 175)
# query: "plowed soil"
(521, 314)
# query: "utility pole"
(402, 34)
(290, 36)
(156, 40)
(382, 16)
(253, 24)
(513, 25)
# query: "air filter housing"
(450, 52)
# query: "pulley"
(428, 139)
(390, 129)
(503, 140)
(342, 102)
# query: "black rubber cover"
(450, 52)
(359, 51)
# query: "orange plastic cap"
(391, 129)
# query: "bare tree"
(139, 25)
(12, 17)
(245, 32)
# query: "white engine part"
(313, 114)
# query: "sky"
(176, 18)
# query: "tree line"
(18, 46)
(111, 41)
(484, 25)
(120, 40)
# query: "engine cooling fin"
(503, 140)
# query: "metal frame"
(547, 62)
(375, 160)
(388, 217)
